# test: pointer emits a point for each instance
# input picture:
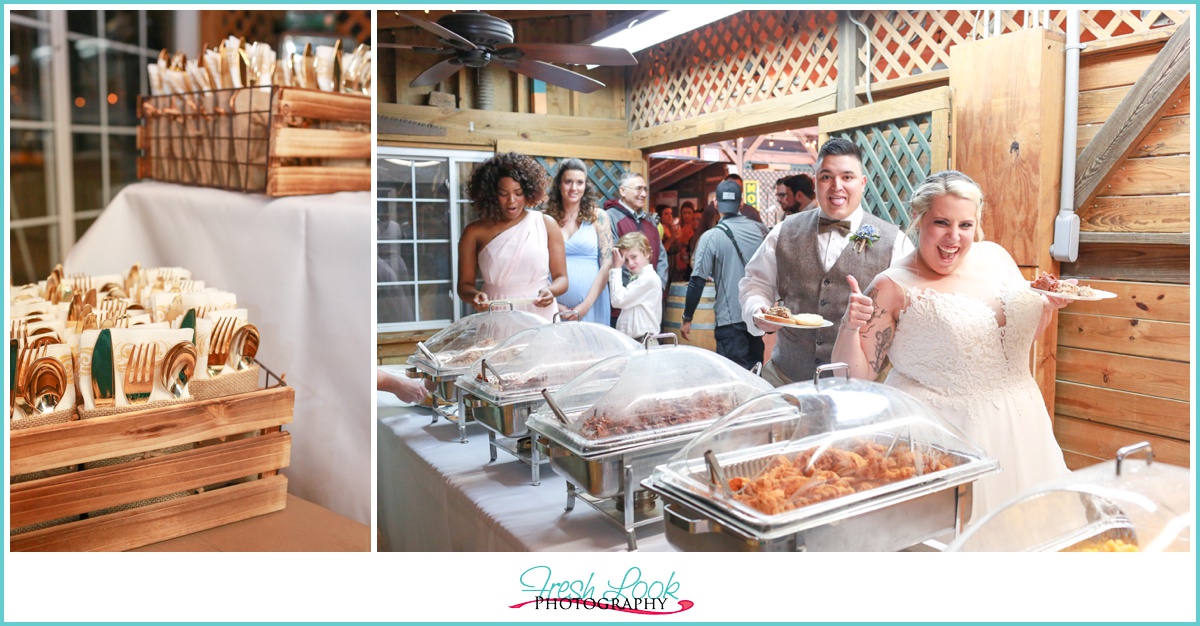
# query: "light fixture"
(641, 34)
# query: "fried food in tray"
(1108, 545)
(658, 413)
(791, 483)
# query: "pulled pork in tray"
(467, 356)
(659, 413)
(788, 484)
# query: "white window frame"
(454, 204)
(62, 212)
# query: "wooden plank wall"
(1124, 364)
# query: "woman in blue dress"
(588, 235)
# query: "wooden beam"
(905, 85)
(849, 40)
(1135, 411)
(485, 128)
(904, 106)
(1133, 120)
(1152, 264)
(749, 152)
(1171, 135)
(1138, 214)
(1153, 377)
(774, 114)
(1137, 337)
(1149, 301)
(535, 148)
(1102, 441)
(1148, 239)
(679, 174)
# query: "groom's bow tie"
(826, 224)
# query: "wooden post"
(1008, 118)
(849, 41)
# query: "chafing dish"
(451, 352)
(827, 465)
(1123, 505)
(606, 429)
(507, 384)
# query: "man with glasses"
(795, 194)
(628, 214)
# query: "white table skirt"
(439, 495)
(302, 266)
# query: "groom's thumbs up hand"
(859, 309)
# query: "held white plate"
(1100, 294)
(760, 316)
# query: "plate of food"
(782, 316)
(1049, 285)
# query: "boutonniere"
(864, 237)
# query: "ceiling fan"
(475, 39)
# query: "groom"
(804, 261)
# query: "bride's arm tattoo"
(883, 337)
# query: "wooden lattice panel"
(897, 156)
(908, 43)
(354, 24)
(747, 57)
(605, 176)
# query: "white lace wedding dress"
(951, 351)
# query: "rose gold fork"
(139, 373)
(25, 359)
(218, 345)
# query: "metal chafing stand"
(606, 430)
(507, 385)
(451, 352)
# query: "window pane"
(120, 96)
(121, 26)
(85, 85)
(432, 176)
(393, 221)
(88, 175)
(394, 262)
(37, 15)
(29, 73)
(30, 167)
(433, 220)
(434, 261)
(30, 253)
(160, 29)
(395, 178)
(395, 304)
(81, 226)
(83, 22)
(122, 163)
(436, 302)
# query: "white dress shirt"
(759, 287)
(640, 301)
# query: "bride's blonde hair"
(946, 183)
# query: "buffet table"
(302, 267)
(436, 494)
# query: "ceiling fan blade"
(572, 53)
(405, 46)
(437, 73)
(439, 30)
(552, 74)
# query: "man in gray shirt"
(722, 253)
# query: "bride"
(957, 320)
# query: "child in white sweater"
(641, 300)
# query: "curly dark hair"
(485, 181)
(587, 203)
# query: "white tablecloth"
(439, 495)
(302, 266)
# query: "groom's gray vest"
(806, 287)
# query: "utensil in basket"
(45, 385)
(244, 345)
(175, 309)
(25, 360)
(103, 381)
(139, 373)
(179, 365)
(218, 345)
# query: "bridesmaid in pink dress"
(517, 252)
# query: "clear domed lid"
(457, 346)
(646, 394)
(820, 445)
(542, 357)
(1123, 505)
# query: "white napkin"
(124, 339)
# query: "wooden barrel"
(704, 321)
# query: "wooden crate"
(78, 493)
(281, 141)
